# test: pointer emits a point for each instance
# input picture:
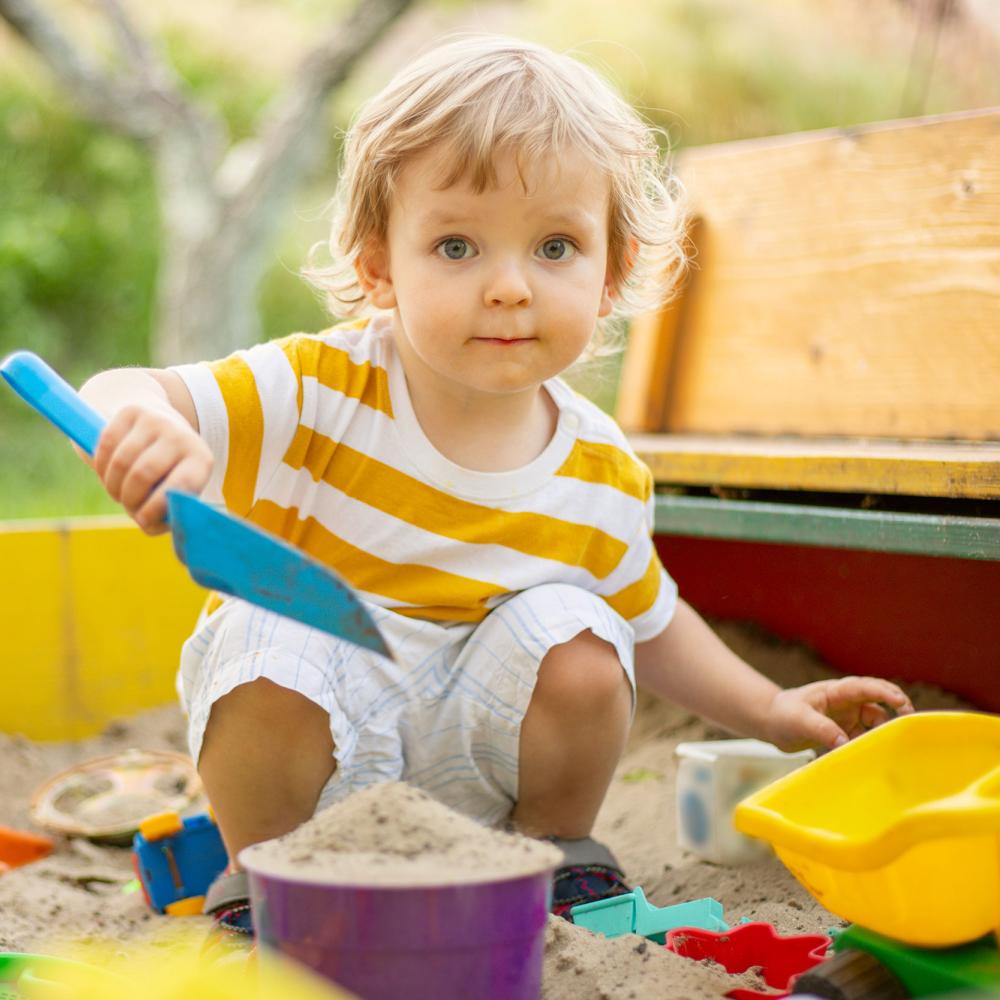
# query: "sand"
(392, 834)
(76, 894)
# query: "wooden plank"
(642, 399)
(94, 618)
(907, 617)
(879, 531)
(848, 284)
(648, 366)
(36, 633)
(914, 468)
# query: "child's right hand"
(145, 450)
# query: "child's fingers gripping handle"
(41, 387)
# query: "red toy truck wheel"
(137, 868)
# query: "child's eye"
(455, 248)
(557, 249)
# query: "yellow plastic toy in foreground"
(899, 830)
(176, 972)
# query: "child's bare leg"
(572, 737)
(266, 755)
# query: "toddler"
(498, 203)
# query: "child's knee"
(262, 735)
(259, 699)
(265, 711)
(584, 676)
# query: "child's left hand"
(829, 713)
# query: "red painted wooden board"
(909, 617)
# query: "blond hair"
(483, 95)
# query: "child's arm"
(689, 664)
(150, 443)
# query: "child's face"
(494, 292)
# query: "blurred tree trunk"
(220, 203)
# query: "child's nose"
(507, 286)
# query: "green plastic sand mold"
(30, 973)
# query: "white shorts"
(446, 716)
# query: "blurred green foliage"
(78, 211)
(224, 84)
(79, 235)
(78, 254)
(719, 70)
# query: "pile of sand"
(394, 834)
(580, 965)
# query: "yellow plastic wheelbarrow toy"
(899, 832)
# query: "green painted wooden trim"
(801, 524)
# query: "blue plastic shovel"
(221, 551)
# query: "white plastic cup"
(712, 777)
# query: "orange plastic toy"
(20, 848)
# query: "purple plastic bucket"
(483, 940)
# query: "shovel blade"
(231, 555)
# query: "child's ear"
(612, 288)
(607, 301)
(372, 268)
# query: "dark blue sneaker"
(589, 872)
(227, 902)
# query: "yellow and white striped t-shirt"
(315, 440)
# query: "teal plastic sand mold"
(632, 913)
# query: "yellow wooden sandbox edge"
(93, 614)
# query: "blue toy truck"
(176, 860)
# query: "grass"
(42, 474)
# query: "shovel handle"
(49, 393)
